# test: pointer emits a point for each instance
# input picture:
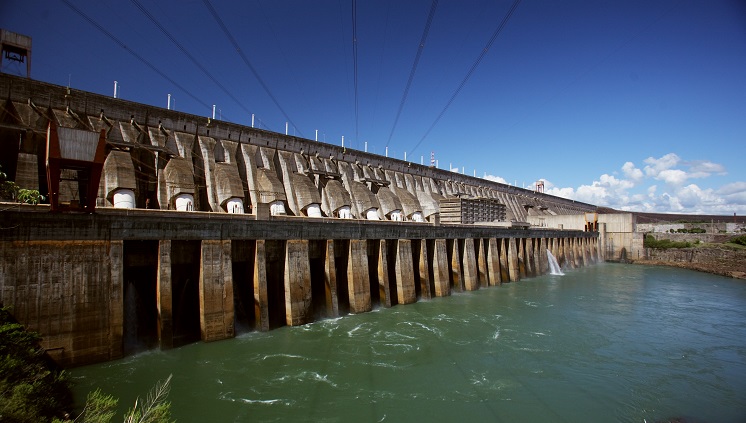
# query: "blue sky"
(636, 105)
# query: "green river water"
(606, 343)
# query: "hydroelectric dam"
(164, 228)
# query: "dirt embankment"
(718, 259)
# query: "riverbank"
(718, 259)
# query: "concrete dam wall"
(100, 286)
(205, 228)
(168, 160)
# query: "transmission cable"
(354, 65)
(240, 52)
(414, 67)
(187, 54)
(132, 52)
(471, 71)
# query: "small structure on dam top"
(202, 227)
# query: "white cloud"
(634, 190)
(632, 173)
(732, 188)
(703, 169)
(672, 176)
(493, 178)
(656, 166)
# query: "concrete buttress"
(404, 266)
(116, 305)
(330, 281)
(504, 264)
(425, 290)
(216, 315)
(261, 296)
(440, 269)
(457, 272)
(493, 262)
(513, 261)
(384, 292)
(484, 278)
(358, 280)
(521, 246)
(297, 283)
(471, 279)
(164, 292)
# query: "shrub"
(651, 242)
(740, 240)
(31, 389)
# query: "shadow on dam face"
(140, 331)
(185, 266)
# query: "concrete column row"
(352, 276)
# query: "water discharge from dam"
(554, 267)
(608, 342)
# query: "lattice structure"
(471, 210)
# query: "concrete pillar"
(384, 292)
(216, 314)
(358, 280)
(424, 269)
(530, 258)
(261, 299)
(298, 310)
(584, 251)
(471, 278)
(456, 270)
(404, 268)
(481, 249)
(493, 262)
(440, 269)
(543, 266)
(577, 252)
(513, 267)
(164, 293)
(593, 249)
(569, 257)
(504, 263)
(330, 281)
(116, 301)
(521, 246)
(602, 242)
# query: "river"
(605, 343)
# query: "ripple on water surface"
(609, 342)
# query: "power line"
(354, 64)
(132, 52)
(471, 71)
(233, 41)
(187, 54)
(414, 67)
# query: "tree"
(31, 388)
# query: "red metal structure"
(81, 152)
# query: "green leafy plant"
(740, 240)
(29, 196)
(101, 408)
(651, 242)
(155, 408)
(31, 389)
